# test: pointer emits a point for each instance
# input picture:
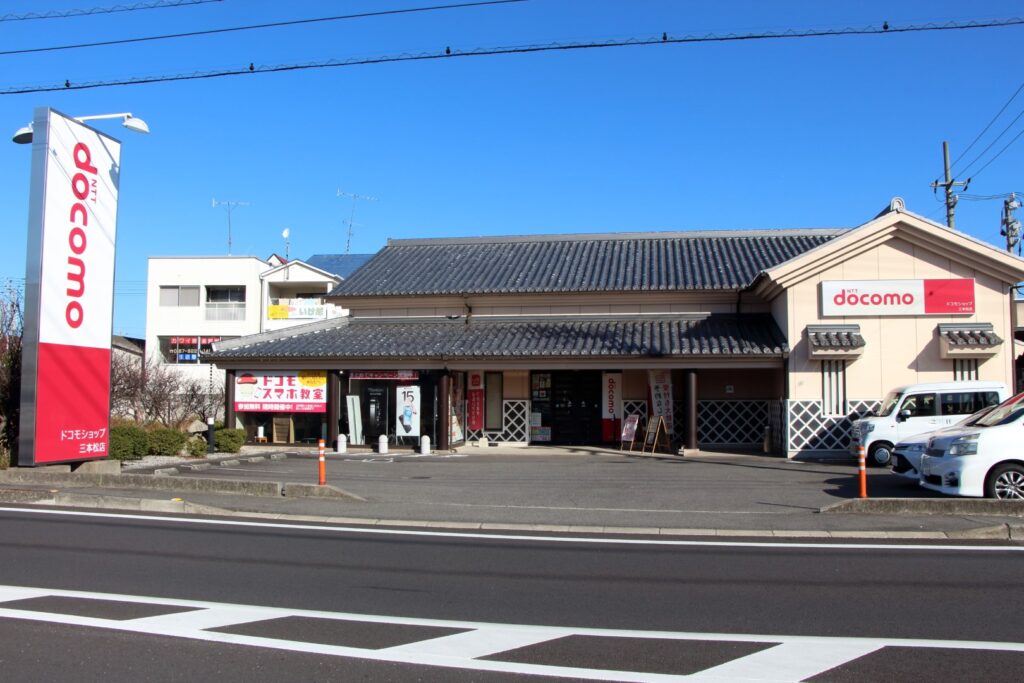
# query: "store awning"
(834, 341)
(968, 340)
(714, 335)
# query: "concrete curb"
(292, 490)
(1012, 533)
(928, 506)
(144, 481)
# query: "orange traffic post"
(862, 465)
(323, 464)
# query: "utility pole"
(1010, 225)
(949, 185)
(352, 214)
(230, 206)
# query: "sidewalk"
(586, 490)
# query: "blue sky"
(814, 132)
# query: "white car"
(907, 454)
(982, 459)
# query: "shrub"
(128, 442)
(166, 442)
(229, 440)
(196, 447)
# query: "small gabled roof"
(670, 261)
(894, 222)
(342, 265)
(295, 263)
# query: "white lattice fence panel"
(810, 430)
(631, 407)
(731, 422)
(516, 421)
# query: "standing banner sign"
(407, 419)
(611, 405)
(69, 291)
(475, 401)
(660, 384)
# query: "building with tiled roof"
(731, 338)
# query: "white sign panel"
(660, 385)
(407, 416)
(858, 298)
(281, 391)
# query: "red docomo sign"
(83, 187)
(864, 298)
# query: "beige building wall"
(900, 350)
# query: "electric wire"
(1000, 152)
(989, 125)
(990, 145)
(253, 27)
(449, 53)
(65, 14)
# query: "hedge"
(166, 442)
(229, 440)
(128, 442)
(196, 447)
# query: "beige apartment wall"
(900, 350)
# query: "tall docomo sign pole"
(69, 290)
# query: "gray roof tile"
(714, 335)
(578, 263)
(970, 335)
(835, 337)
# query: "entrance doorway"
(576, 407)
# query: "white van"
(918, 408)
(982, 459)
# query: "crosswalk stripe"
(479, 643)
(790, 661)
(186, 623)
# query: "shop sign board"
(475, 402)
(849, 298)
(281, 391)
(69, 290)
(302, 309)
(611, 404)
(397, 375)
(407, 418)
(659, 383)
(355, 419)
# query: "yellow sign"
(312, 378)
(277, 312)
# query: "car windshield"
(1007, 411)
(889, 404)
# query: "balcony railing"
(225, 311)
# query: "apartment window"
(179, 296)
(833, 387)
(225, 302)
(965, 369)
(493, 418)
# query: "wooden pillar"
(333, 407)
(690, 409)
(444, 419)
(229, 399)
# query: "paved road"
(366, 604)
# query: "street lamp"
(24, 135)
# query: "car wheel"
(880, 454)
(1006, 482)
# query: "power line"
(64, 14)
(448, 53)
(1000, 152)
(997, 138)
(252, 27)
(985, 129)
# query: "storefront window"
(493, 404)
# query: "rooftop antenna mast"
(352, 215)
(230, 206)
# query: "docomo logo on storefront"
(897, 297)
(84, 188)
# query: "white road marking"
(604, 540)
(791, 659)
(481, 642)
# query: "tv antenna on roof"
(352, 215)
(230, 206)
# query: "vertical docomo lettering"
(74, 314)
